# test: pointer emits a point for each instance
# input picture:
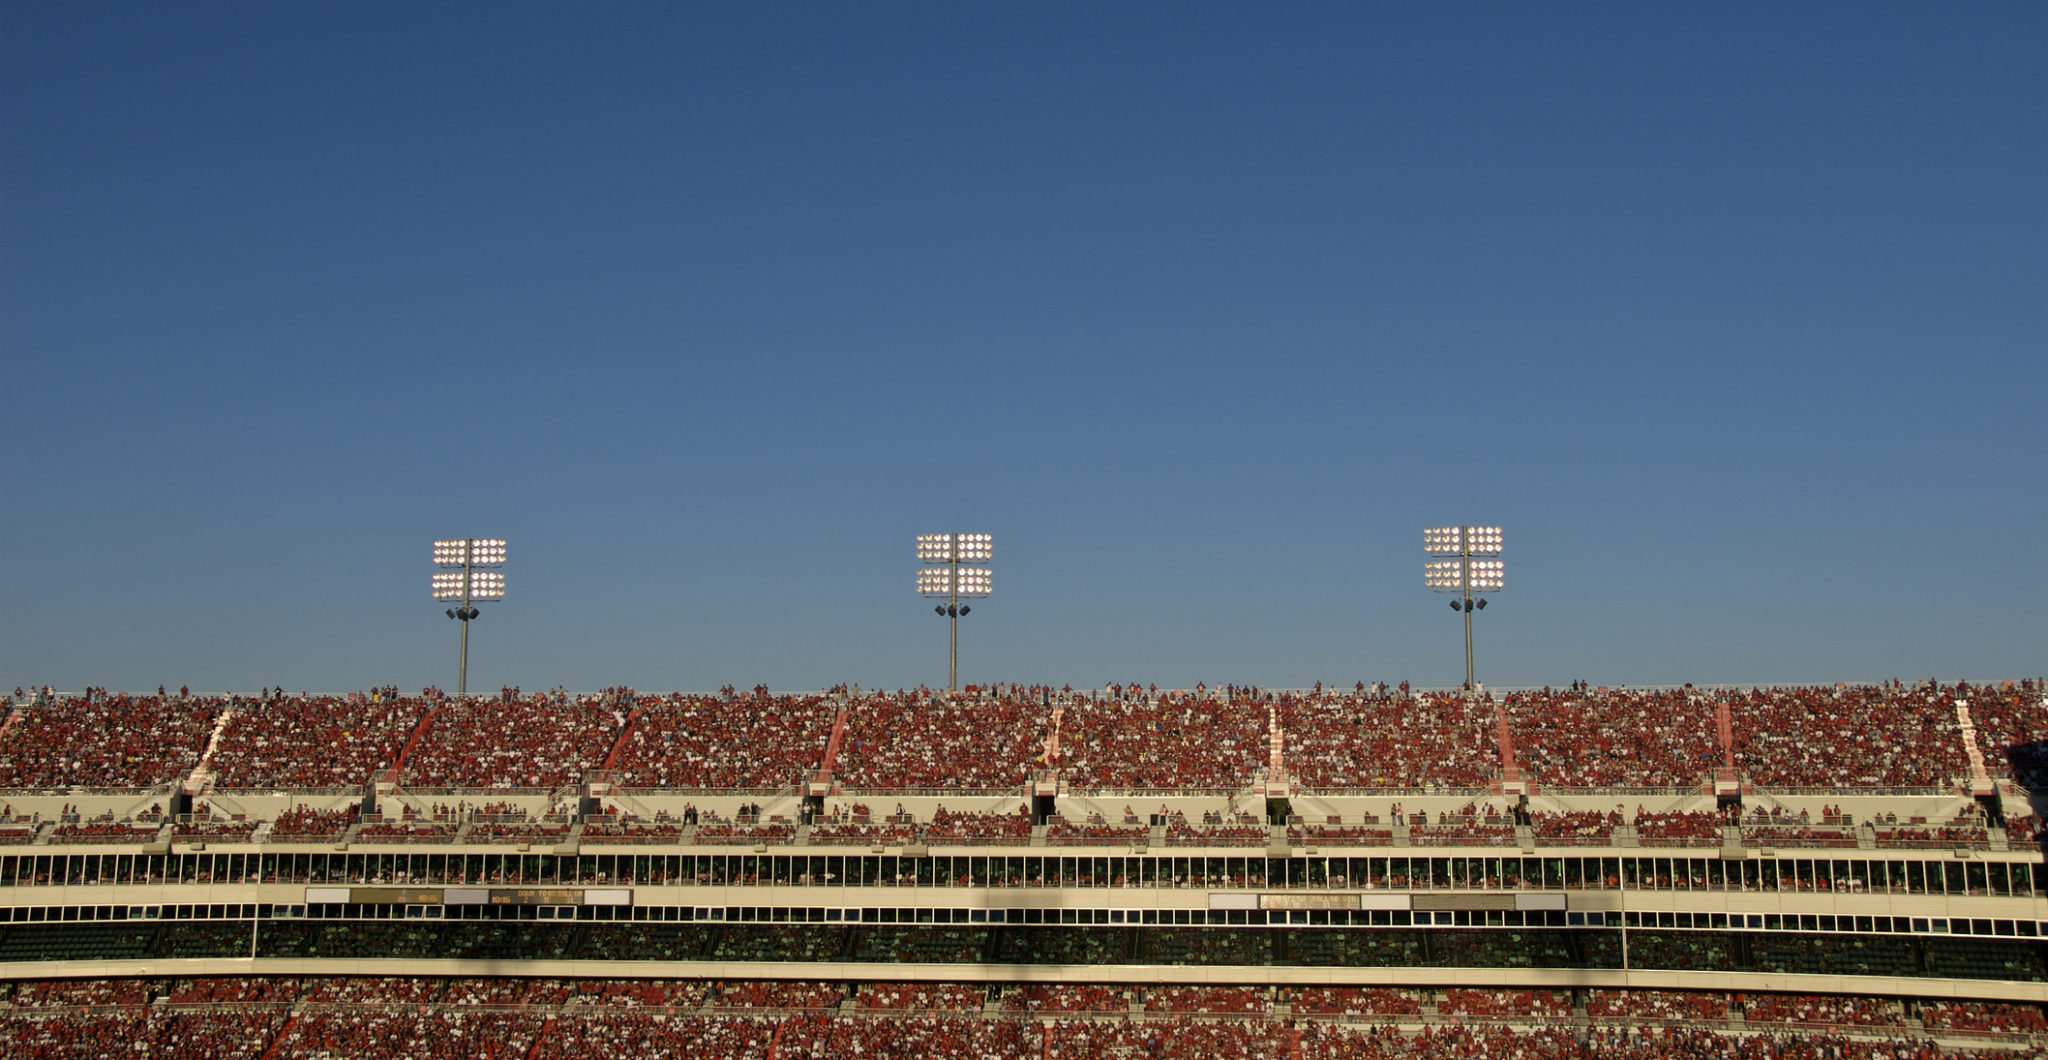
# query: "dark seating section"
(1985, 959)
(1820, 954)
(484, 1018)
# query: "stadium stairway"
(412, 742)
(202, 771)
(548, 1025)
(284, 1033)
(611, 760)
(827, 767)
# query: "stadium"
(1847, 870)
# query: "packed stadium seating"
(1886, 736)
(493, 1018)
(1113, 872)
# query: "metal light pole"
(953, 582)
(1464, 575)
(468, 583)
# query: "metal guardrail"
(271, 791)
(1404, 793)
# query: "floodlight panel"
(1444, 575)
(1482, 540)
(1488, 575)
(974, 581)
(481, 585)
(974, 548)
(935, 581)
(934, 548)
(476, 552)
(1443, 540)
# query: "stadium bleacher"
(1227, 872)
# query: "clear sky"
(1734, 316)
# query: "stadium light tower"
(1464, 575)
(464, 578)
(953, 582)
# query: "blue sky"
(1732, 315)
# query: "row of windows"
(1316, 872)
(1476, 918)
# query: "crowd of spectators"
(407, 828)
(226, 1035)
(1094, 830)
(1830, 1009)
(723, 831)
(306, 822)
(2007, 715)
(1465, 829)
(1124, 738)
(102, 830)
(1943, 836)
(1612, 738)
(1575, 826)
(103, 740)
(744, 742)
(955, 826)
(373, 989)
(1690, 1043)
(1066, 997)
(79, 993)
(509, 993)
(1354, 1001)
(921, 997)
(381, 1033)
(1241, 829)
(1631, 1005)
(654, 1036)
(615, 827)
(1849, 736)
(772, 994)
(1506, 1003)
(1210, 1000)
(667, 994)
(1138, 741)
(936, 742)
(1679, 827)
(1983, 1017)
(313, 742)
(1775, 826)
(234, 990)
(489, 1018)
(949, 1036)
(542, 741)
(1373, 738)
(850, 832)
(203, 823)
